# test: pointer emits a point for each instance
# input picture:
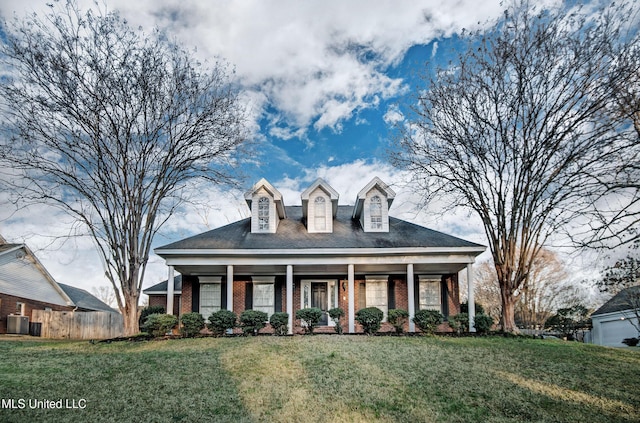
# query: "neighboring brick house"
(320, 254)
(158, 294)
(25, 285)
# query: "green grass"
(323, 378)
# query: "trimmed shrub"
(336, 314)
(159, 324)
(251, 321)
(192, 324)
(311, 317)
(370, 318)
(459, 323)
(398, 317)
(157, 309)
(428, 320)
(279, 322)
(482, 323)
(221, 321)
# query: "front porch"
(288, 288)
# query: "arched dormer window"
(375, 212)
(320, 213)
(263, 214)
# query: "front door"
(319, 300)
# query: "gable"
(21, 275)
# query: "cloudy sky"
(324, 82)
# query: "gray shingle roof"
(292, 234)
(161, 288)
(619, 302)
(85, 300)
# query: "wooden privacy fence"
(79, 324)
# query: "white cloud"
(393, 115)
(316, 63)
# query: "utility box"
(18, 325)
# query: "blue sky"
(323, 82)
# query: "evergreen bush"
(336, 314)
(459, 323)
(370, 318)
(280, 323)
(221, 321)
(159, 324)
(398, 317)
(311, 317)
(192, 324)
(428, 320)
(148, 310)
(483, 323)
(251, 321)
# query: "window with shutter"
(429, 294)
(210, 295)
(264, 297)
(376, 293)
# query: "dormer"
(319, 207)
(267, 207)
(372, 206)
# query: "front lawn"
(319, 378)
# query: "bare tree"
(545, 291)
(105, 294)
(519, 130)
(112, 124)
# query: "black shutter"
(444, 290)
(416, 293)
(248, 296)
(391, 294)
(195, 294)
(278, 294)
(223, 295)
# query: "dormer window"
(375, 212)
(267, 207)
(320, 214)
(319, 207)
(372, 206)
(263, 214)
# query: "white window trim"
(264, 214)
(430, 279)
(210, 280)
(378, 280)
(265, 280)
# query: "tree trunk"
(508, 320)
(130, 316)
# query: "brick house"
(319, 254)
(26, 285)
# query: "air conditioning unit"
(18, 325)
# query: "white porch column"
(470, 298)
(411, 297)
(290, 298)
(170, 290)
(230, 287)
(352, 298)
